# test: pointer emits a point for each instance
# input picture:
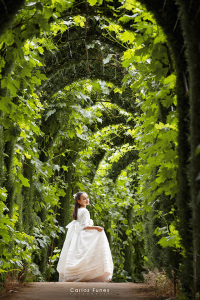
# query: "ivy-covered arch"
(183, 15)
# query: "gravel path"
(80, 290)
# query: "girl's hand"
(99, 228)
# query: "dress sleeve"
(85, 219)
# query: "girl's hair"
(77, 197)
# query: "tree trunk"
(176, 42)
(1, 150)
(28, 199)
(10, 177)
(190, 22)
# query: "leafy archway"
(150, 62)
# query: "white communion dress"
(86, 254)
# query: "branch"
(92, 59)
(163, 6)
(177, 20)
(186, 85)
(105, 107)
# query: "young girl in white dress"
(86, 254)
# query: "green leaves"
(12, 257)
(6, 105)
(96, 87)
(170, 81)
(107, 59)
(24, 180)
(126, 159)
(127, 18)
(172, 239)
(11, 84)
(93, 2)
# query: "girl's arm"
(85, 221)
(94, 227)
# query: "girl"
(86, 254)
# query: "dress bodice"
(83, 217)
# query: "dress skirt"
(85, 255)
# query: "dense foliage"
(94, 97)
